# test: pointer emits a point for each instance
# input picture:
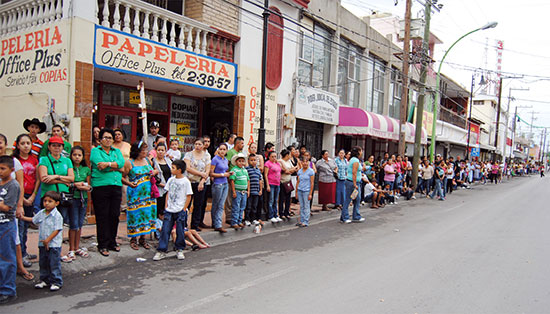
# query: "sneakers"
(362, 219)
(41, 285)
(27, 263)
(363, 203)
(4, 299)
(54, 287)
(394, 203)
(273, 220)
(346, 221)
(279, 219)
(180, 255)
(158, 256)
(413, 197)
(247, 223)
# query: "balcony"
(452, 117)
(131, 16)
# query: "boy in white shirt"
(178, 196)
(174, 152)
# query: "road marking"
(230, 291)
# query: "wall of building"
(219, 14)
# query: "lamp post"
(437, 82)
(482, 82)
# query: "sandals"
(27, 276)
(82, 252)
(144, 244)
(116, 248)
(133, 244)
(69, 257)
(104, 252)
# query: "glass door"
(126, 121)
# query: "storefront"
(316, 119)
(375, 133)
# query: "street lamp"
(482, 82)
(437, 82)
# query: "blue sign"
(475, 152)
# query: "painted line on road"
(230, 291)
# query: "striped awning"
(356, 121)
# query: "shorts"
(77, 214)
(368, 197)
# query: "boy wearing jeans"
(9, 196)
(178, 197)
(239, 183)
(50, 237)
(305, 183)
(256, 184)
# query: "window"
(314, 62)
(396, 90)
(349, 68)
(376, 71)
(121, 96)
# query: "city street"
(484, 250)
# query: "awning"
(356, 121)
(487, 147)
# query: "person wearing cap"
(56, 174)
(154, 128)
(239, 183)
(57, 130)
(35, 127)
(237, 148)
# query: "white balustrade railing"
(22, 14)
(149, 21)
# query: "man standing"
(237, 148)
(57, 130)
(231, 142)
(154, 128)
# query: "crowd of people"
(47, 185)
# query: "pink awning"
(356, 121)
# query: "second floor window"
(349, 68)
(376, 72)
(314, 62)
(396, 89)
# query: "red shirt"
(29, 172)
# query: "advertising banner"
(123, 52)
(317, 105)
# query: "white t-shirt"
(174, 154)
(369, 188)
(16, 167)
(178, 190)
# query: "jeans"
(398, 183)
(390, 183)
(107, 211)
(78, 211)
(444, 186)
(253, 208)
(208, 191)
(24, 226)
(449, 186)
(238, 205)
(426, 184)
(345, 212)
(340, 192)
(304, 207)
(284, 202)
(437, 191)
(8, 260)
(66, 212)
(180, 220)
(273, 200)
(219, 194)
(37, 205)
(50, 265)
(198, 200)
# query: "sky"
(521, 27)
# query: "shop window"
(396, 90)
(349, 68)
(314, 61)
(121, 96)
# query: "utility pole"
(498, 118)
(422, 96)
(261, 130)
(542, 136)
(405, 79)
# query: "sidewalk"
(95, 261)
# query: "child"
(305, 182)
(9, 196)
(240, 189)
(256, 189)
(388, 195)
(174, 153)
(80, 203)
(369, 193)
(179, 191)
(50, 237)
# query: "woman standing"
(253, 150)
(123, 146)
(286, 187)
(218, 171)
(353, 180)
(80, 200)
(341, 163)
(198, 165)
(427, 176)
(163, 164)
(107, 163)
(272, 174)
(327, 183)
(96, 141)
(142, 208)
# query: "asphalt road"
(484, 250)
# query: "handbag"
(154, 188)
(288, 187)
(66, 198)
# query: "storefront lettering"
(30, 41)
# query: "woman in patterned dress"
(142, 208)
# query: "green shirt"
(240, 178)
(80, 175)
(232, 152)
(61, 166)
(66, 149)
(106, 176)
